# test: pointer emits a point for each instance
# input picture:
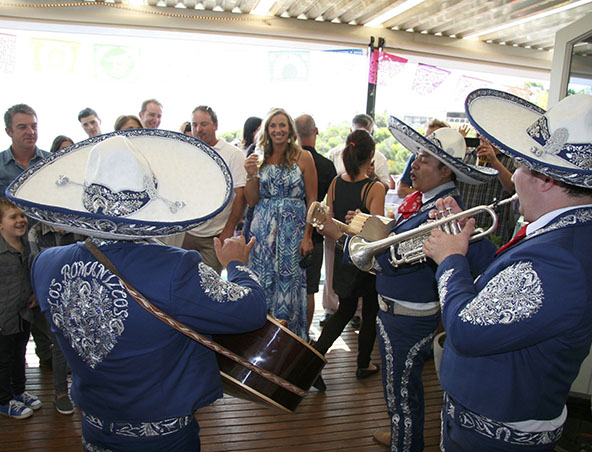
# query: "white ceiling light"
(527, 19)
(263, 7)
(389, 14)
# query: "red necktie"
(519, 236)
(411, 204)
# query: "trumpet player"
(408, 298)
(516, 335)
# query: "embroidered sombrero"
(445, 144)
(557, 143)
(127, 184)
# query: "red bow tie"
(519, 236)
(411, 204)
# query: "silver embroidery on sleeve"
(89, 305)
(515, 294)
(443, 286)
(247, 270)
(218, 289)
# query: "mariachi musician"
(136, 379)
(516, 336)
(408, 297)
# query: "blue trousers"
(405, 343)
(104, 440)
(464, 431)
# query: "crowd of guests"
(494, 325)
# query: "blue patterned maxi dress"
(278, 224)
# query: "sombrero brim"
(416, 143)
(187, 170)
(503, 119)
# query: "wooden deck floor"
(342, 418)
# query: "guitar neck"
(345, 228)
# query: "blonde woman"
(281, 190)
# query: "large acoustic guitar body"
(288, 364)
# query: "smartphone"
(472, 142)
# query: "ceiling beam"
(280, 29)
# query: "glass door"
(571, 72)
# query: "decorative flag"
(373, 69)
(7, 53)
(428, 78)
(466, 85)
(389, 66)
(524, 93)
(349, 51)
(53, 55)
(112, 62)
(288, 66)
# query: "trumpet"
(407, 247)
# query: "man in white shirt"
(204, 125)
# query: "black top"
(350, 196)
(325, 174)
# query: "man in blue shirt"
(21, 126)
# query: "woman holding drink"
(281, 185)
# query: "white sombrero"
(445, 144)
(557, 143)
(126, 185)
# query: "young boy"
(16, 301)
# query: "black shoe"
(365, 373)
(324, 319)
(355, 322)
(319, 384)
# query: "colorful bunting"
(428, 78)
(289, 66)
(7, 53)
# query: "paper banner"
(288, 66)
(467, 84)
(7, 53)
(349, 51)
(118, 63)
(389, 66)
(524, 93)
(54, 56)
(428, 78)
(373, 69)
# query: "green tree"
(396, 154)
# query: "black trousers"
(12, 364)
(337, 323)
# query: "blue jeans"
(404, 343)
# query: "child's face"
(13, 223)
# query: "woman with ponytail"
(350, 191)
